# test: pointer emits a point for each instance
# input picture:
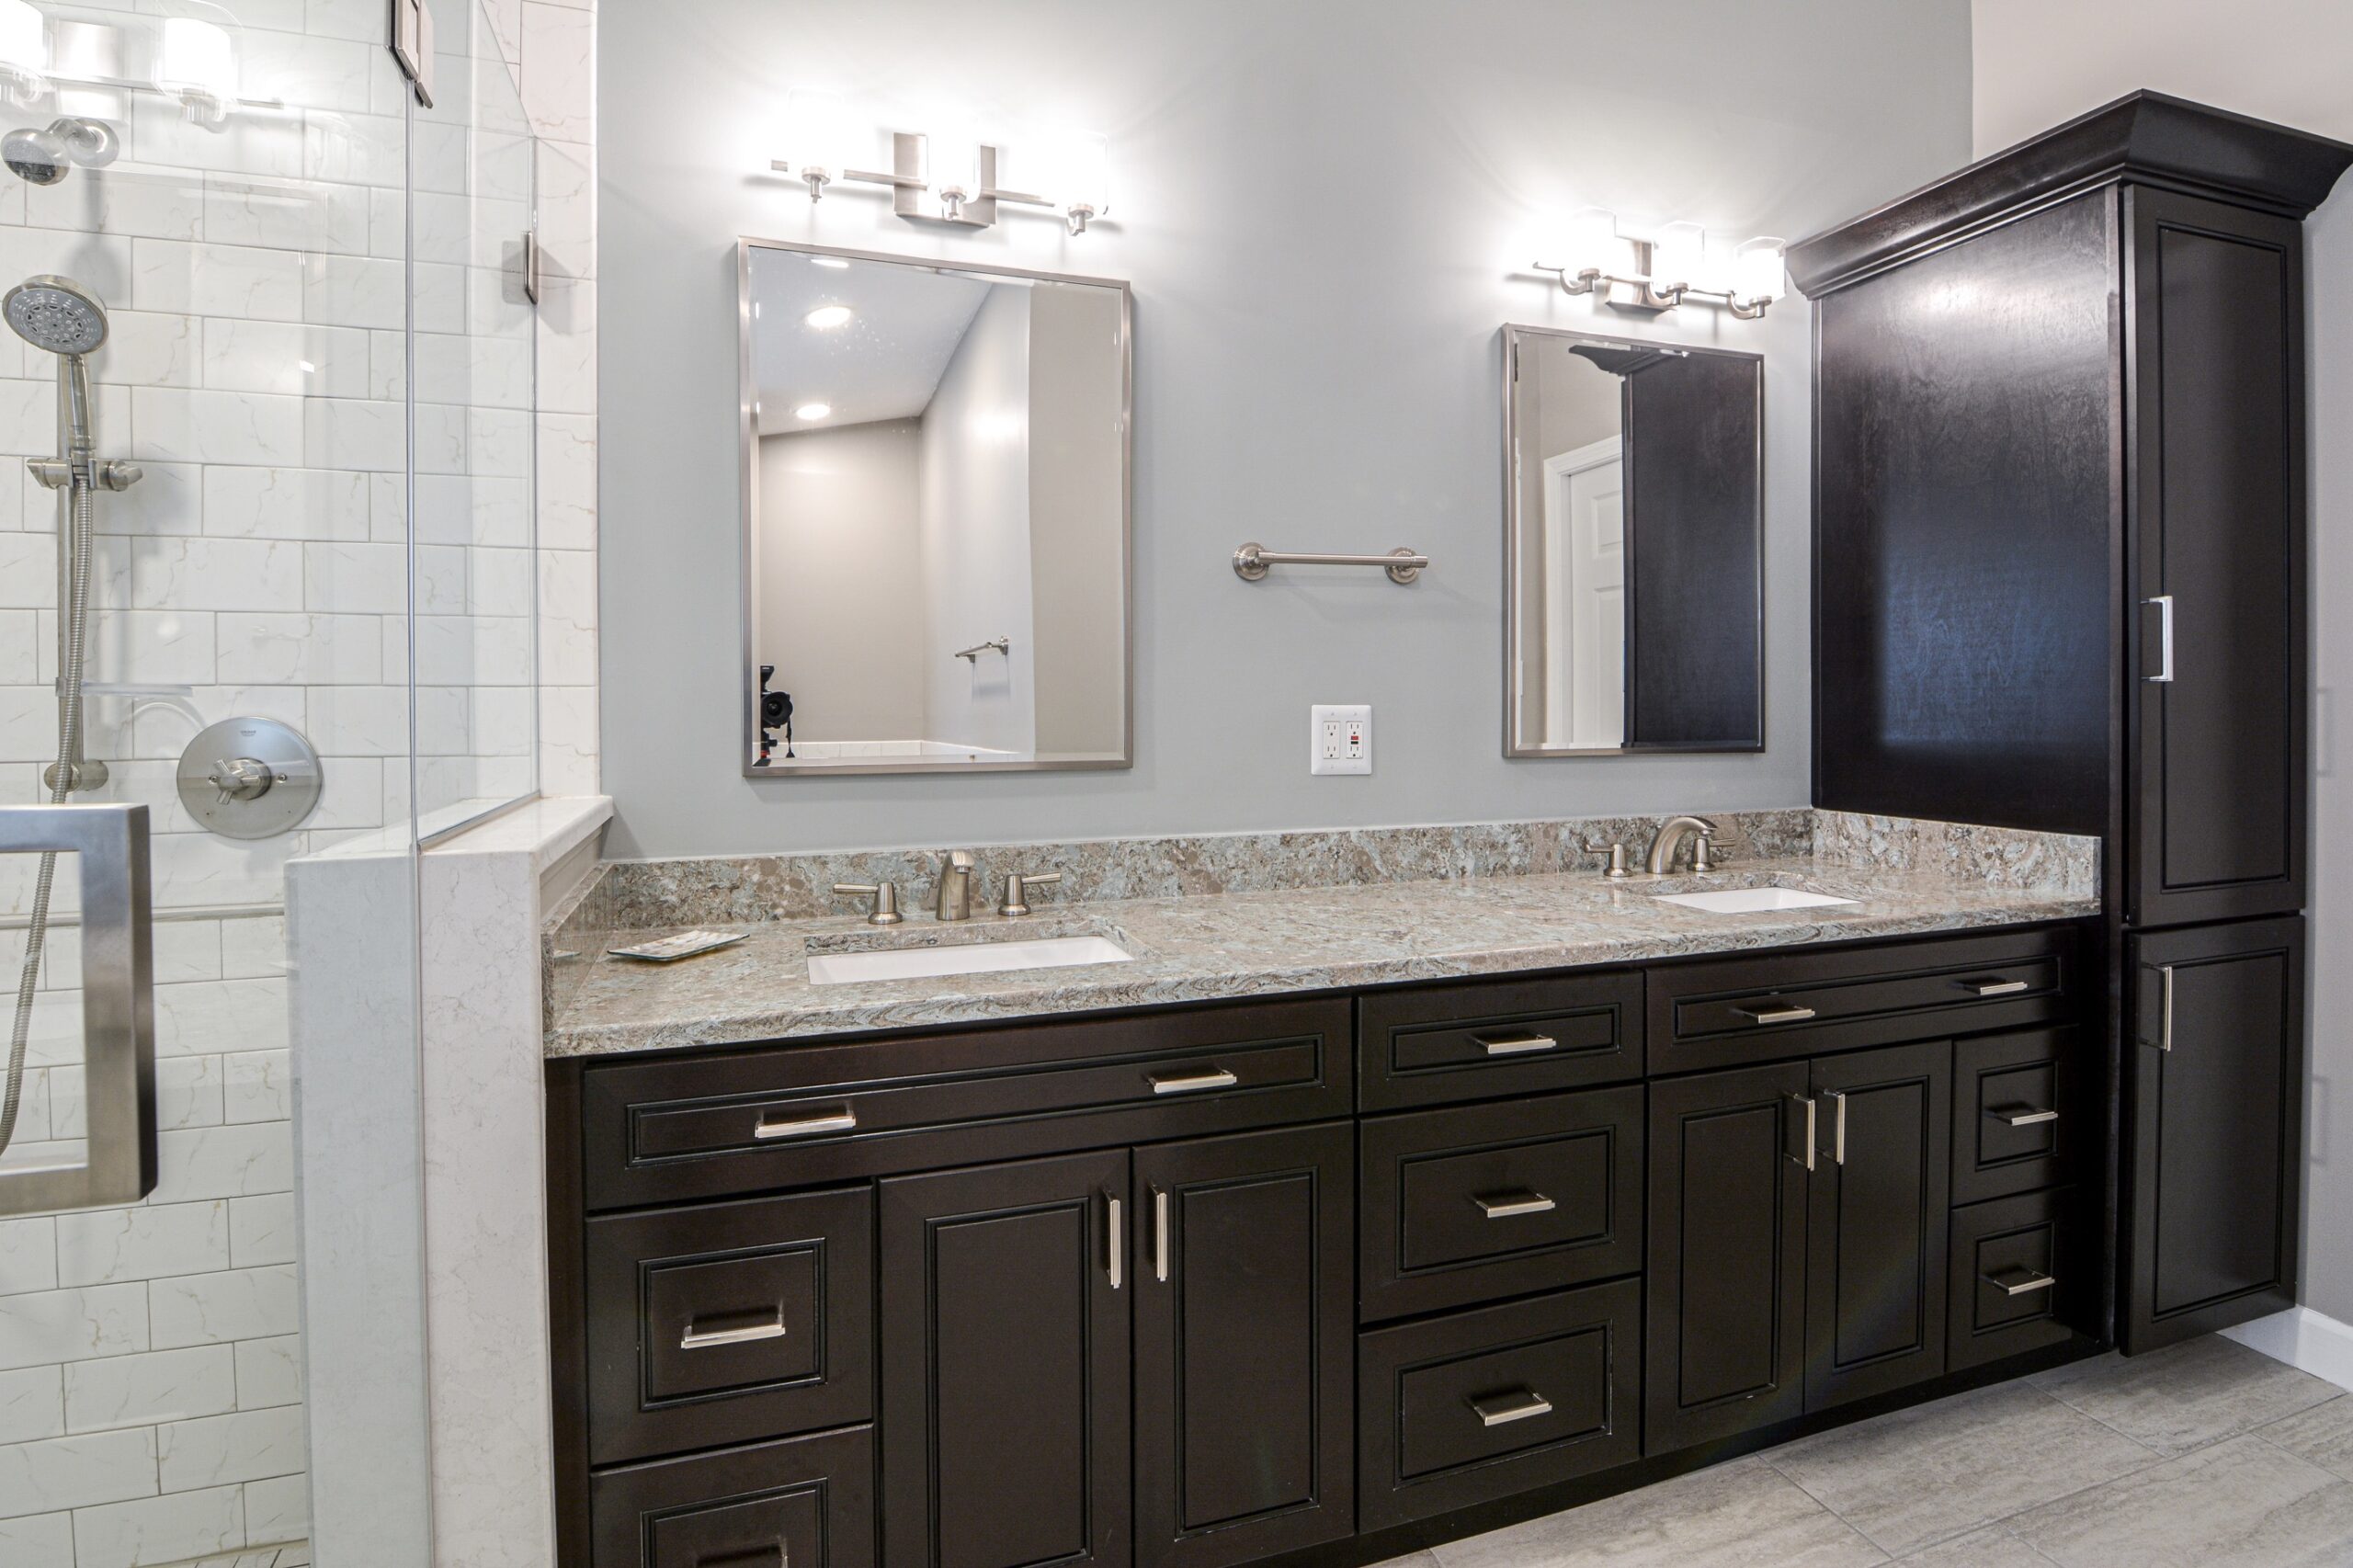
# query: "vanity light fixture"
(24, 53)
(198, 64)
(811, 412)
(963, 170)
(1658, 269)
(824, 318)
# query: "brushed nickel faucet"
(952, 900)
(1671, 834)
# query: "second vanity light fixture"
(1068, 172)
(1658, 269)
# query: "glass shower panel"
(476, 669)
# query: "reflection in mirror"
(1635, 541)
(935, 477)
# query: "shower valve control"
(250, 777)
(242, 777)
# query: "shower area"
(268, 613)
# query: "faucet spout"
(952, 900)
(1671, 834)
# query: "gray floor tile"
(2187, 1395)
(1919, 1476)
(2239, 1504)
(2323, 1435)
(1994, 1547)
(1741, 1515)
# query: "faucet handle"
(1616, 871)
(1017, 890)
(1701, 842)
(885, 896)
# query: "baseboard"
(2309, 1341)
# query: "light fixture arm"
(909, 180)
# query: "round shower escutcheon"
(250, 777)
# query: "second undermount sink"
(1752, 901)
(963, 958)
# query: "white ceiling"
(884, 363)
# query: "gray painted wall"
(1321, 204)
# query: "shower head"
(56, 313)
(46, 157)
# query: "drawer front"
(1731, 1012)
(793, 1115)
(728, 1322)
(1477, 1203)
(2021, 1118)
(803, 1503)
(1483, 1040)
(2021, 1277)
(1483, 1405)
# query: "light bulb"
(1587, 242)
(1678, 257)
(816, 134)
(953, 160)
(1756, 271)
(23, 54)
(199, 61)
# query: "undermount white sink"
(1752, 901)
(963, 958)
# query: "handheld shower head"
(46, 157)
(57, 314)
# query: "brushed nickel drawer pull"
(702, 1339)
(1115, 1242)
(1515, 1044)
(1998, 987)
(2021, 1115)
(1191, 1083)
(1506, 1205)
(1767, 1013)
(2027, 1286)
(1812, 1116)
(807, 1126)
(1499, 1409)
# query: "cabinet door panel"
(1004, 1354)
(1245, 1379)
(2215, 394)
(1881, 1200)
(2216, 1091)
(1724, 1341)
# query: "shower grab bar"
(1252, 561)
(994, 645)
(110, 845)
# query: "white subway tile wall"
(150, 1359)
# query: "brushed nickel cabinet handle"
(807, 1126)
(1805, 1159)
(1506, 1205)
(1191, 1083)
(1160, 1235)
(1499, 1409)
(2010, 1283)
(2021, 1115)
(2165, 639)
(1998, 987)
(702, 1339)
(1839, 1132)
(1515, 1044)
(1117, 1237)
(2164, 1017)
(1767, 1013)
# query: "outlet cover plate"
(1339, 738)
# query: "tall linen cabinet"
(2060, 584)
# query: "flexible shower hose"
(69, 735)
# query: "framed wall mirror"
(1636, 546)
(936, 515)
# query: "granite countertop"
(1256, 943)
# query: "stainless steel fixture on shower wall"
(62, 317)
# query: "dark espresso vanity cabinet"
(1312, 1280)
(2060, 584)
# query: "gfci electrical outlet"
(1340, 739)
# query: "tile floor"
(2208, 1454)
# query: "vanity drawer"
(1486, 1038)
(728, 1322)
(798, 1114)
(2021, 1120)
(803, 1503)
(1731, 1012)
(2021, 1277)
(1483, 1405)
(1476, 1202)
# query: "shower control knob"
(241, 778)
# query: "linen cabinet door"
(1004, 1351)
(2216, 402)
(1725, 1335)
(1882, 1198)
(1245, 1342)
(2215, 1104)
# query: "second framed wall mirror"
(1635, 538)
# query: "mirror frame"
(1514, 337)
(747, 480)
